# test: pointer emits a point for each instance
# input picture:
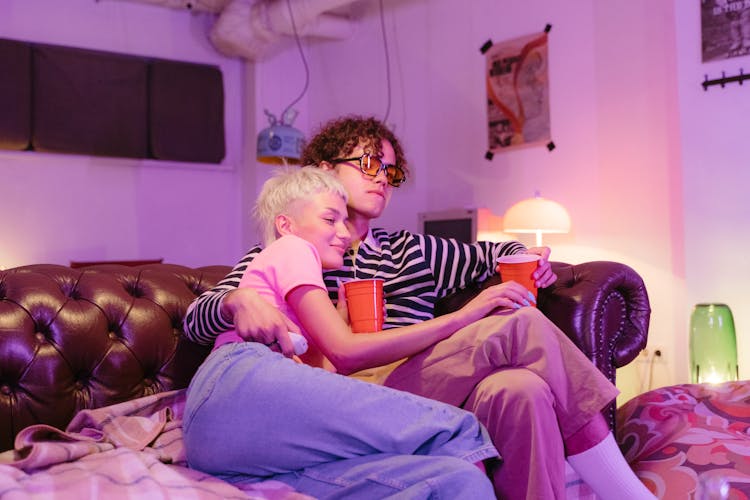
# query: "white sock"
(604, 469)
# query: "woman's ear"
(324, 165)
(283, 224)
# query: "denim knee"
(461, 479)
(393, 477)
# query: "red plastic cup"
(519, 268)
(364, 300)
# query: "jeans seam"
(387, 482)
(210, 384)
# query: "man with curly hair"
(538, 395)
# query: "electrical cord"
(302, 56)
(656, 354)
(307, 69)
(387, 63)
(651, 359)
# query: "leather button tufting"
(134, 289)
(112, 336)
(40, 337)
(5, 389)
(79, 386)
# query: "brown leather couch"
(88, 337)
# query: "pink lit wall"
(57, 208)
(645, 162)
(715, 152)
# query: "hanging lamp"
(280, 143)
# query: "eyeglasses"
(372, 166)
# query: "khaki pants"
(526, 382)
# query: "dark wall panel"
(89, 102)
(15, 94)
(69, 100)
(187, 112)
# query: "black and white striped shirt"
(418, 270)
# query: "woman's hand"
(341, 306)
(508, 295)
(543, 275)
(256, 320)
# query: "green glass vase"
(713, 344)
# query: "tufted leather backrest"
(84, 338)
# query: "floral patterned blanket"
(689, 440)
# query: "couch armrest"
(603, 307)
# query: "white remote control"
(299, 342)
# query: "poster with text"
(725, 29)
(518, 92)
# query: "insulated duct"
(251, 28)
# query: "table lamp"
(713, 344)
(537, 216)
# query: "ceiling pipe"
(250, 28)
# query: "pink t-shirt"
(282, 266)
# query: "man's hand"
(543, 275)
(256, 320)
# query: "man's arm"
(204, 320)
(455, 265)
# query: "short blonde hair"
(286, 186)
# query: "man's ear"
(324, 165)
(283, 224)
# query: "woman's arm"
(350, 352)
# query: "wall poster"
(518, 92)
(725, 29)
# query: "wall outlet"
(650, 366)
(651, 354)
(658, 354)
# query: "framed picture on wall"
(725, 29)
(518, 92)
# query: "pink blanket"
(130, 450)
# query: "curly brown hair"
(339, 137)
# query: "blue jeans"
(252, 414)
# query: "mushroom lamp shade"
(280, 144)
(537, 216)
